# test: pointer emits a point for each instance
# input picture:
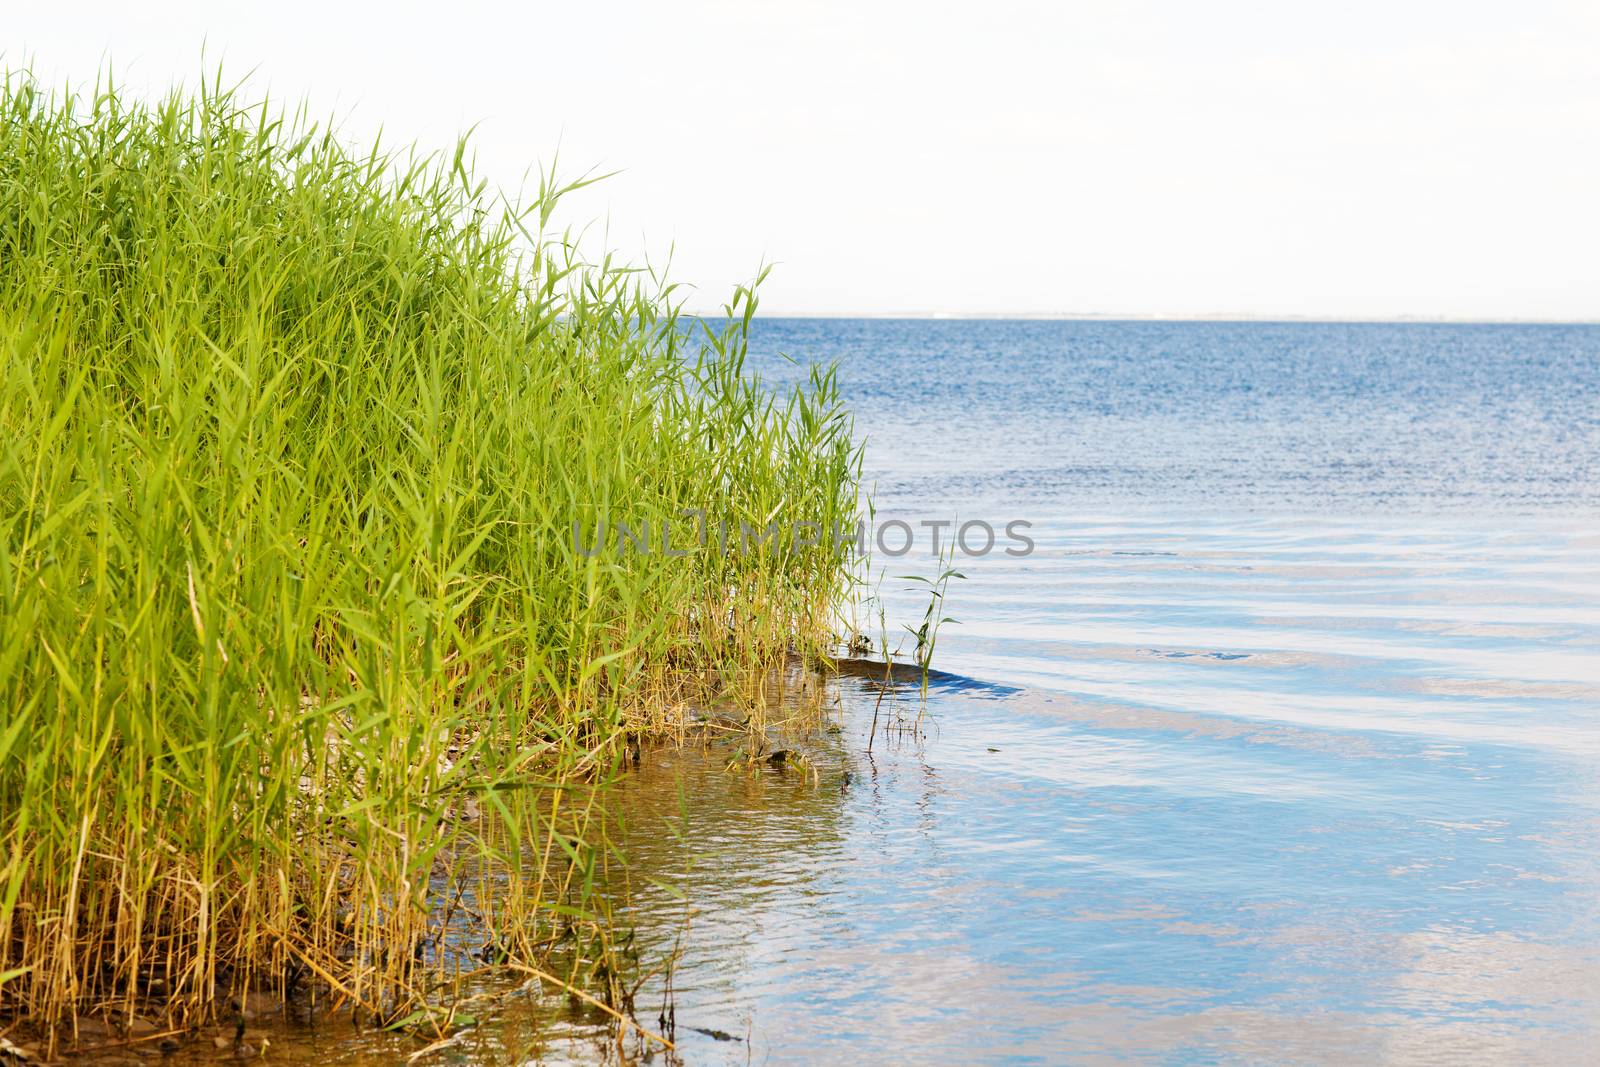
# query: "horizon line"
(1157, 316)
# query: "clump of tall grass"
(292, 442)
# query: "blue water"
(1296, 703)
(1283, 746)
(1181, 416)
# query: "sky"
(1273, 158)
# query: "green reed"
(293, 626)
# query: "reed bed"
(296, 640)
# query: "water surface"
(1282, 745)
(1249, 791)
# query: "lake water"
(1283, 745)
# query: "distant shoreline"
(1220, 317)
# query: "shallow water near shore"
(1256, 795)
(1282, 746)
